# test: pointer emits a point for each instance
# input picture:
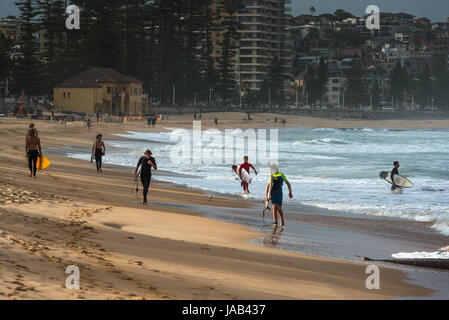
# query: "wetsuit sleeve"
(393, 173)
(283, 177)
(139, 163)
(154, 161)
(240, 169)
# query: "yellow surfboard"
(42, 163)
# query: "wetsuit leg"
(98, 158)
(146, 185)
(32, 161)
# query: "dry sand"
(72, 215)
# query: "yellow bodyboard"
(42, 163)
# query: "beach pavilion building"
(101, 90)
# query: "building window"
(68, 95)
(64, 95)
(109, 90)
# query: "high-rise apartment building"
(264, 35)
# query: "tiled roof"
(93, 77)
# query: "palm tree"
(312, 10)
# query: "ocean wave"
(320, 141)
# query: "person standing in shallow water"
(276, 182)
(99, 150)
(146, 163)
(33, 150)
(395, 172)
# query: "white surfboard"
(245, 176)
(400, 181)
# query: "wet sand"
(72, 215)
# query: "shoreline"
(193, 197)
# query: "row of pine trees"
(164, 43)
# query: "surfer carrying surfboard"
(33, 150)
(146, 163)
(274, 191)
(394, 172)
(245, 166)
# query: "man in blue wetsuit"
(276, 182)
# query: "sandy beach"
(71, 215)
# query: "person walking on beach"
(394, 172)
(276, 183)
(33, 150)
(98, 151)
(88, 124)
(247, 166)
(145, 163)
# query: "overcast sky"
(436, 10)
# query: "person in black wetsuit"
(394, 172)
(146, 163)
(98, 151)
(33, 151)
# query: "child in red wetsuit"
(245, 165)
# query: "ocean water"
(336, 169)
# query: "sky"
(436, 10)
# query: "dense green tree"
(312, 10)
(356, 89)
(229, 28)
(27, 68)
(424, 88)
(275, 81)
(442, 85)
(51, 23)
(316, 80)
(399, 83)
(296, 69)
(375, 95)
(341, 14)
(5, 62)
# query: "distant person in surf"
(247, 166)
(98, 151)
(274, 192)
(394, 172)
(146, 163)
(33, 151)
